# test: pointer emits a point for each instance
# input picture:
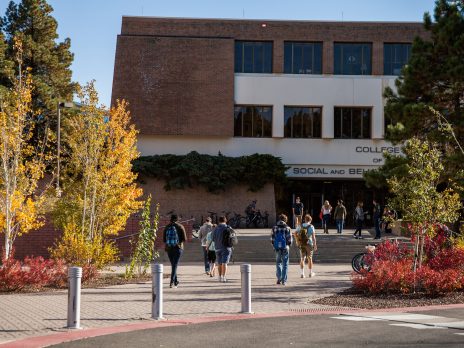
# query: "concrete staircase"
(254, 246)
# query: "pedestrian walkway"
(198, 296)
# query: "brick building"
(307, 92)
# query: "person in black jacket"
(174, 237)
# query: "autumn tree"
(22, 165)
(99, 189)
(430, 85)
(416, 195)
(49, 60)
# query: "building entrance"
(313, 193)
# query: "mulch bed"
(354, 299)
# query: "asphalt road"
(300, 331)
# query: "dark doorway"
(313, 193)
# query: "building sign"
(328, 171)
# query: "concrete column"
(278, 121)
(328, 121)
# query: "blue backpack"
(280, 242)
(172, 238)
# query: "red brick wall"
(176, 85)
(36, 243)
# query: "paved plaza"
(25, 315)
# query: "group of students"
(214, 242)
(281, 239)
(381, 219)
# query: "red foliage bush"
(386, 277)
(436, 282)
(36, 272)
(392, 251)
(392, 268)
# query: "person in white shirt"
(202, 234)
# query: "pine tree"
(49, 61)
(431, 84)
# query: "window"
(253, 57)
(302, 122)
(395, 56)
(253, 121)
(352, 123)
(303, 58)
(352, 59)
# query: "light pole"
(58, 147)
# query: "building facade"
(308, 92)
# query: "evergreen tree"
(49, 61)
(430, 90)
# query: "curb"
(73, 335)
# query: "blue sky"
(93, 25)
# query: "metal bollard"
(157, 291)
(246, 288)
(74, 297)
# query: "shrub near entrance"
(35, 273)
(392, 269)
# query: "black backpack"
(230, 237)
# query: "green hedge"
(215, 173)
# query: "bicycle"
(363, 261)
(256, 219)
(235, 221)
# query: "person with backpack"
(174, 237)
(298, 210)
(204, 230)
(340, 216)
(306, 236)
(224, 239)
(281, 239)
(359, 218)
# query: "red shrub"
(447, 259)
(391, 251)
(439, 282)
(386, 277)
(35, 273)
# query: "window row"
(306, 57)
(301, 122)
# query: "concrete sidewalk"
(198, 295)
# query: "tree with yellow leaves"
(99, 189)
(22, 165)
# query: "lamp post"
(58, 147)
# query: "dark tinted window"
(252, 121)
(253, 57)
(302, 122)
(303, 58)
(352, 123)
(352, 59)
(395, 56)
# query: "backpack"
(303, 235)
(172, 238)
(280, 242)
(230, 237)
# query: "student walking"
(174, 237)
(325, 211)
(298, 210)
(223, 252)
(211, 254)
(204, 230)
(281, 239)
(359, 218)
(340, 216)
(306, 236)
